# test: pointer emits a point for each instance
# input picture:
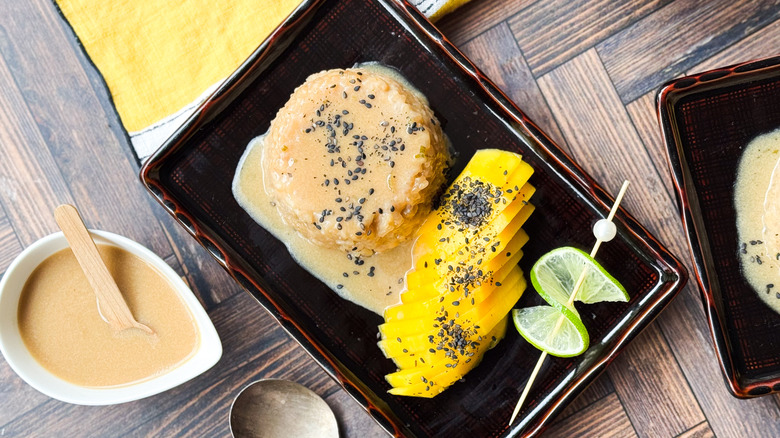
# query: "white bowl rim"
(207, 354)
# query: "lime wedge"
(537, 324)
(555, 274)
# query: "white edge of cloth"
(149, 139)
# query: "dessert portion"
(354, 160)
(347, 171)
(464, 279)
(346, 177)
(757, 204)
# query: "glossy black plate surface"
(191, 176)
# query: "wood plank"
(210, 282)
(652, 387)
(496, 53)
(604, 418)
(643, 116)
(685, 324)
(27, 197)
(16, 397)
(64, 107)
(598, 128)
(553, 32)
(754, 46)
(9, 243)
(603, 140)
(701, 430)
(597, 390)
(476, 17)
(676, 37)
(352, 419)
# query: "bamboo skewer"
(573, 295)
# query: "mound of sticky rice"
(354, 159)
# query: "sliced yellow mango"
(429, 380)
(464, 278)
(473, 322)
(400, 314)
(428, 282)
(443, 236)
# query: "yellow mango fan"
(464, 279)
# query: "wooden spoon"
(111, 305)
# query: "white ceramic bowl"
(22, 362)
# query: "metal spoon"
(111, 305)
(281, 409)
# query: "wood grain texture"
(597, 390)
(586, 71)
(614, 422)
(210, 282)
(496, 53)
(684, 324)
(27, 198)
(600, 134)
(702, 430)
(478, 16)
(645, 121)
(558, 30)
(71, 121)
(667, 43)
(760, 44)
(661, 405)
(201, 406)
(9, 243)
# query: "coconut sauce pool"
(757, 203)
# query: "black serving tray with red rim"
(707, 119)
(191, 176)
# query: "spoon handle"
(110, 301)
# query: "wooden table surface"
(585, 70)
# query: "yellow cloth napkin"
(161, 58)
